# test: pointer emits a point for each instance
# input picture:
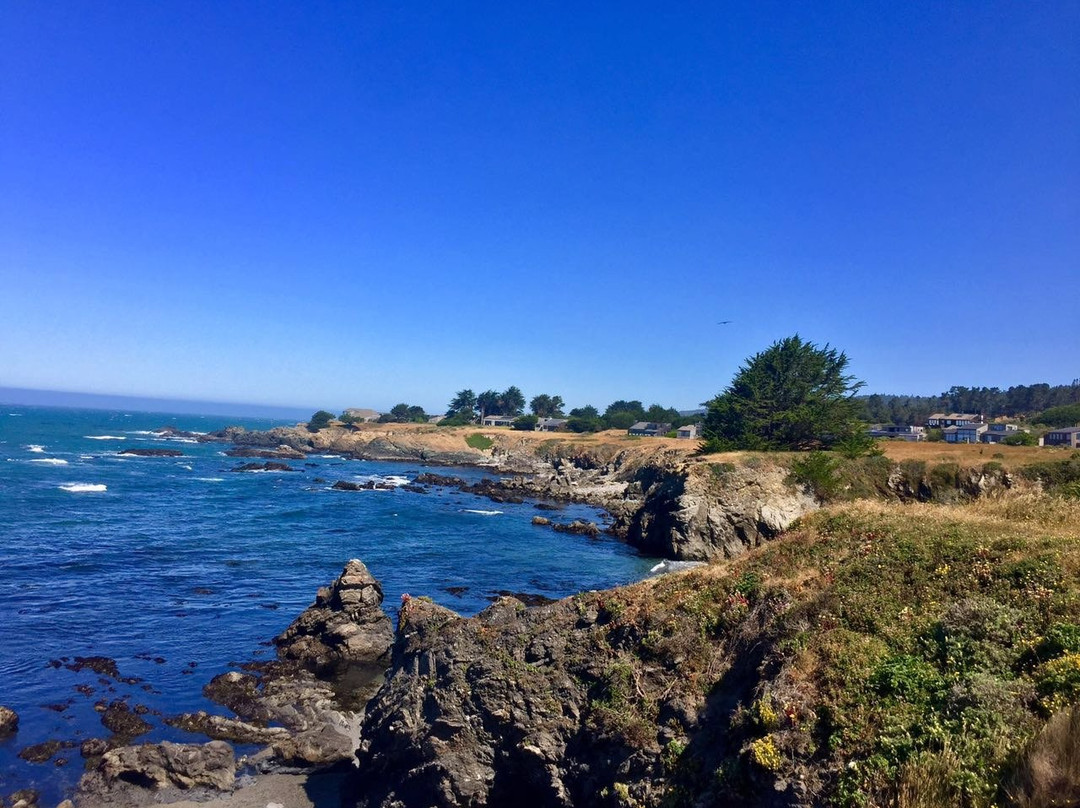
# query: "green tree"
(464, 403)
(512, 401)
(488, 403)
(525, 423)
(404, 414)
(1057, 417)
(588, 411)
(791, 396)
(320, 420)
(661, 415)
(546, 406)
(623, 414)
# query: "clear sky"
(335, 204)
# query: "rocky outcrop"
(269, 465)
(280, 453)
(9, 721)
(346, 625)
(706, 511)
(158, 766)
(539, 706)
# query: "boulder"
(345, 626)
(9, 721)
(158, 766)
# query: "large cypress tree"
(791, 396)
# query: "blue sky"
(335, 204)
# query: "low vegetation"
(877, 655)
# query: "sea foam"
(36, 448)
(84, 488)
(104, 437)
(49, 461)
(480, 512)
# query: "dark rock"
(345, 626)
(153, 452)
(367, 485)
(578, 527)
(269, 465)
(41, 752)
(456, 591)
(528, 598)
(102, 666)
(122, 721)
(9, 721)
(541, 520)
(93, 747)
(23, 798)
(239, 692)
(281, 453)
(220, 728)
(158, 766)
(549, 506)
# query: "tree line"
(1028, 401)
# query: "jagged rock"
(239, 692)
(153, 452)
(282, 452)
(269, 465)
(701, 512)
(345, 626)
(44, 751)
(158, 766)
(368, 485)
(9, 721)
(23, 798)
(579, 527)
(541, 520)
(220, 728)
(93, 747)
(123, 722)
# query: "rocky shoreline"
(451, 711)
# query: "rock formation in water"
(345, 626)
(9, 720)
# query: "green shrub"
(817, 471)
(478, 441)
(525, 423)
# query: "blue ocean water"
(177, 567)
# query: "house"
(649, 429)
(434, 419)
(968, 433)
(550, 424)
(365, 415)
(499, 420)
(941, 420)
(1068, 436)
(895, 432)
(998, 432)
(689, 432)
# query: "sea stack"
(345, 626)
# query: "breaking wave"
(84, 488)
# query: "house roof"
(1065, 430)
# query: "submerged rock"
(269, 465)
(44, 751)
(123, 722)
(345, 626)
(9, 721)
(282, 452)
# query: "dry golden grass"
(970, 454)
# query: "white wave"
(143, 432)
(84, 488)
(330, 457)
(104, 437)
(36, 448)
(394, 480)
(49, 461)
(15, 414)
(482, 513)
(210, 479)
(184, 466)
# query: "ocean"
(179, 568)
